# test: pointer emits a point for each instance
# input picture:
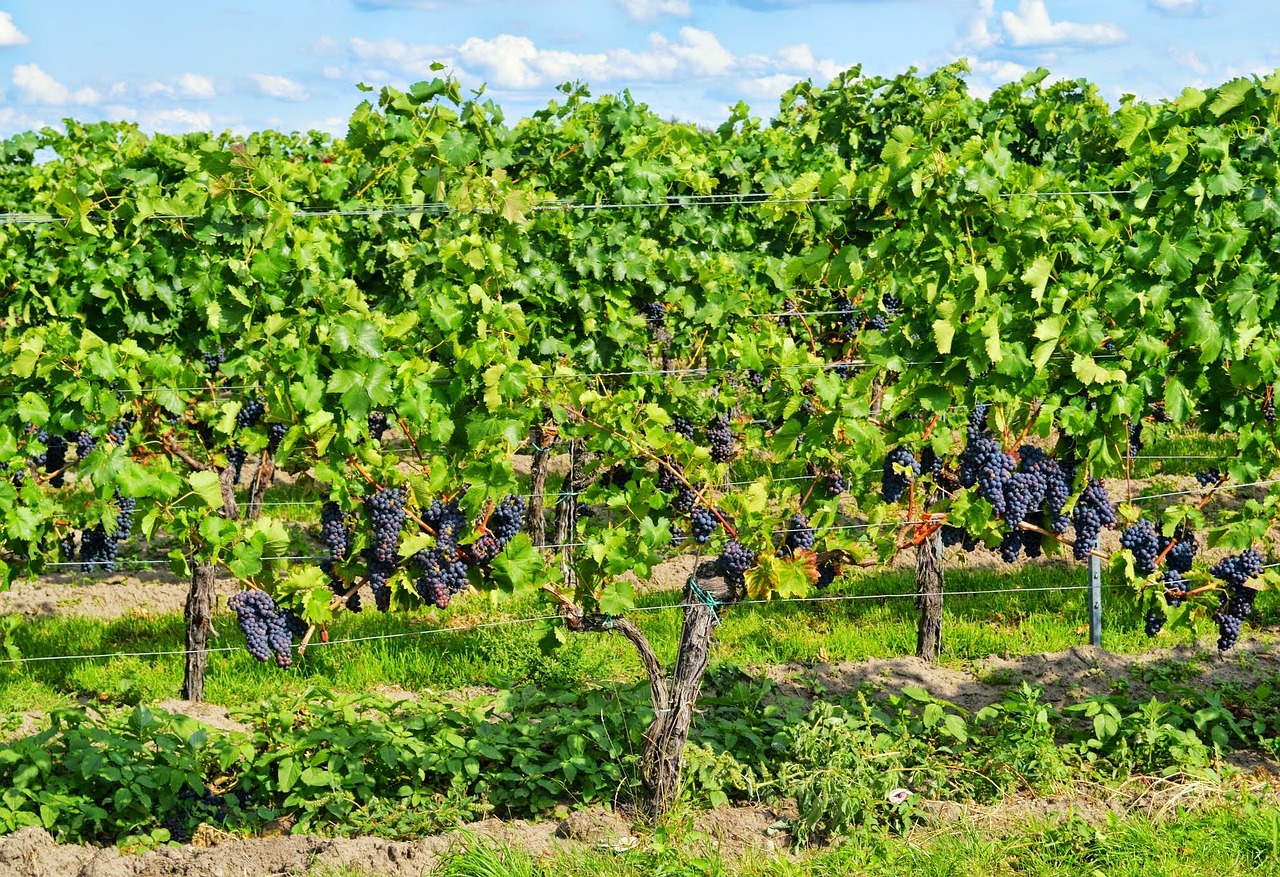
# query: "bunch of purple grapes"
(335, 533)
(236, 456)
(702, 524)
(267, 628)
(1143, 542)
(250, 413)
(387, 508)
(1094, 510)
(734, 561)
(799, 535)
(1237, 602)
(441, 576)
(900, 469)
(720, 436)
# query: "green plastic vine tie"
(705, 599)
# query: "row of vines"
(892, 316)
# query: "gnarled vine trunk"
(674, 697)
(538, 469)
(929, 556)
(199, 617)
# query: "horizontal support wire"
(538, 619)
(674, 372)
(679, 202)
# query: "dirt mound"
(1071, 675)
(31, 852)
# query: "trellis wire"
(435, 208)
(538, 619)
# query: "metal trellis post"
(1095, 601)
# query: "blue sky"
(293, 64)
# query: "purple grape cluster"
(84, 442)
(250, 413)
(386, 507)
(507, 519)
(900, 469)
(267, 629)
(378, 424)
(97, 550)
(213, 361)
(448, 521)
(667, 478)
(1237, 602)
(930, 463)
(1135, 439)
(836, 484)
(119, 432)
(702, 524)
(984, 464)
(236, 456)
(441, 576)
(1143, 542)
(1094, 510)
(1208, 477)
(799, 535)
(1183, 552)
(827, 572)
(734, 561)
(684, 500)
(275, 435)
(335, 533)
(655, 314)
(54, 458)
(682, 426)
(100, 549)
(127, 506)
(720, 436)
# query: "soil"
(1065, 677)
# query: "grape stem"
(1204, 501)
(413, 443)
(172, 447)
(1025, 525)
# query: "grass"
(417, 655)
(1241, 840)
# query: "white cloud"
(282, 87)
(649, 10)
(176, 121)
(156, 87)
(1178, 7)
(987, 76)
(9, 33)
(197, 85)
(414, 60)
(37, 87)
(508, 61)
(977, 35)
(1031, 26)
(1190, 60)
(699, 49)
